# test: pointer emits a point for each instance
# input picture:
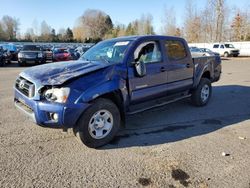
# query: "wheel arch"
(117, 98)
(108, 90)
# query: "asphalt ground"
(177, 145)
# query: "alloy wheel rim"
(205, 92)
(100, 124)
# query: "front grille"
(24, 106)
(25, 87)
(235, 51)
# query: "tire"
(226, 54)
(235, 55)
(2, 62)
(21, 64)
(201, 95)
(93, 128)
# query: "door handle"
(188, 65)
(163, 69)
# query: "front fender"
(103, 88)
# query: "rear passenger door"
(180, 67)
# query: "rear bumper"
(41, 112)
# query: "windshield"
(108, 51)
(229, 46)
(31, 48)
(194, 49)
(60, 51)
(205, 50)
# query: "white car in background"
(196, 52)
(209, 52)
(226, 49)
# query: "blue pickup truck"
(114, 78)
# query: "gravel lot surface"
(177, 145)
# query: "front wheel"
(21, 64)
(99, 123)
(226, 54)
(2, 62)
(201, 95)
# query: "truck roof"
(144, 37)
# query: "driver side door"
(153, 84)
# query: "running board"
(158, 105)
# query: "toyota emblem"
(22, 84)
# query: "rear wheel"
(99, 123)
(201, 95)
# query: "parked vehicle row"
(218, 49)
(38, 54)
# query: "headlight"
(40, 55)
(20, 55)
(59, 95)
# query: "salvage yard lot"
(177, 145)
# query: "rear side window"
(216, 46)
(175, 50)
(221, 46)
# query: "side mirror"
(140, 68)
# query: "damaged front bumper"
(49, 114)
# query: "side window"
(148, 52)
(216, 46)
(175, 50)
(221, 46)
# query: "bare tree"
(208, 22)
(61, 34)
(10, 27)
(219, 19)
(79, 34)
(219, 7)
(142, 26)
(145, 25)
(2, 32)
(45, 31)
(117, 31)
(169, 22)
(95, 23)
(30, 35)
(192, 24)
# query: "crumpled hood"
(58, 73)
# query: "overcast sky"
(63, 13)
